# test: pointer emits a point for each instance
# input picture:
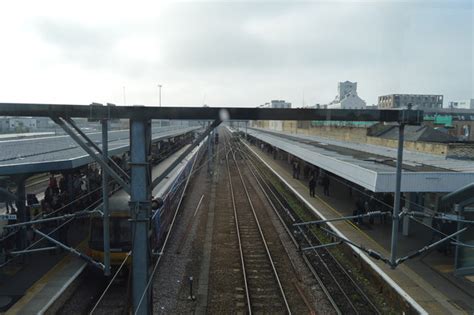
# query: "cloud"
(235, 53)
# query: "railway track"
(344, 293)
(262, 284)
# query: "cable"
(118, 270)
(41, 239)
(111, 281)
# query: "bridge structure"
(139, 185)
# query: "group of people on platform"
(82, 187)
(315, 179)
(65, 193)
(366, 202)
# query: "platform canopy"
(371, 166)
(60, 153)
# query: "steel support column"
(21, 209)
(140, 212)
(246, 133)
(458, 209)
(209, 154)
(105, 197)
(396, 203)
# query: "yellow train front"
(120, 231)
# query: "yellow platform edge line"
(40, 283)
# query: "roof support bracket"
(95, 155)
(96, 147)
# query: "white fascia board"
(424, 181)
(354, 173)
(372, 180)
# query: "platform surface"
(49, 287)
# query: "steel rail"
(259, 179)
(236, 220)
(275, 272)
(360, 291)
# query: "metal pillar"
(140, 211)
(246, 133)
(209, 154)
(406, 219)
(105, 197)
(21, 210)
(458, 209)
(396, 203)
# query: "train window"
(97, 234)
(120, 234)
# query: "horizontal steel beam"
(209, 113)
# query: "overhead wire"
(411, 217)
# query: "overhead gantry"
(139, 185)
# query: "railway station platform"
(49, 288)
(428, 280)
(30, 281)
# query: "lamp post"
(123, 94)
(159, 94)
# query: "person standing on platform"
(53, 184)
(312, 186)
(7, 195)
(293, 165)
(298, 170)
(325, 184)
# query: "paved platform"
(25, 272)
(49, 288)
(428, 280)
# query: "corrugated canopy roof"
(371, 166)
(56, 153)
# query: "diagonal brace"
(70, 249)
(95, 146)
(97, 157)
(428, 247)
(351, 217)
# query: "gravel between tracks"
(226, 293)
(304, 278)
(171, 284)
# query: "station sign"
(7, 217)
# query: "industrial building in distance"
(418, 101)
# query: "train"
(166, 196)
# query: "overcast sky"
(229, 53)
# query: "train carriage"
(167, 196)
